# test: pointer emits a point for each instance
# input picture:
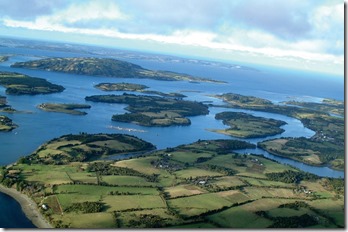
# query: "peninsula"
(64, 108)
(199, 185)
(153, 110)
(105, 67)
(19, 84)
(326, 147)
(244, 125)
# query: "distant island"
(6, 124)
(199, 185)
(105, 67)
(19, 84)
(244, 125)
(64, 108)
(153, 110)
(135, 88)
(326, 147)
(4, 58)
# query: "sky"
(297, 34)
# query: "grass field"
(195, 172)
(188, 156)
(257, 193)
(88, 220)
(184, 190)
(239, 218)
(198, 204)
(127, 181)
(142, 165)
(265, 183)
(119, 203)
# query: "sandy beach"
(29, 207)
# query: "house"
(44, 207)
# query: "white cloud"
(323, 44)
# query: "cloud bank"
(286, 31)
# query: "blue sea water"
(11, 214)
(37, 127)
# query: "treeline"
(105, 169)
(85, 207)
(133, 117)
(290, 176)
(220, 169)
(294, 222)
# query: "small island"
(64, 108)
(120, 87)
(3, 101)
(19, 84)
(4, 58)
(6, 124)
(153, 110)
(327, 145)
(199, 185)
(106, 67)
(135, 88)
(244, 125)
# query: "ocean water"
(37, 127)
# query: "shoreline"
(29, 207)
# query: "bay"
(37, 127)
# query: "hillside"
(104, 67)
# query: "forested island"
(105, 67)
(19, 84)
(135, 88)
(326, 147)
(244, 125)
(67, 108)
(153, 110)
(199, 185)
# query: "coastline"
(28, 206)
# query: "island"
(106, 67)
(6, 124)
(4, 58)
(153, 110)
(19, 84)
(199, 185)
(135, 88)
(244, 125)
(3, 101)
(120, 87)
(326, 147)
(66, 108)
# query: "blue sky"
(304, 34)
